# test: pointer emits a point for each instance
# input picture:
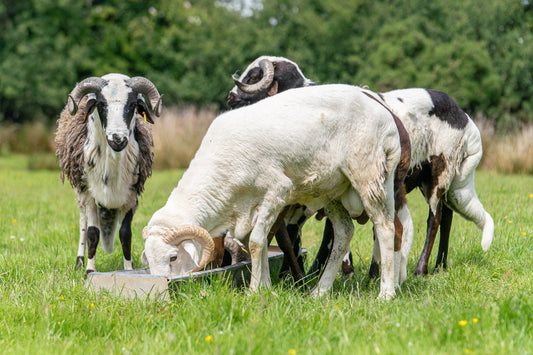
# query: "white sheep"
(320, 146)
(105, 150)
(445, 150)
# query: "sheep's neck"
(111, 174)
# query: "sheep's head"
(113, 100)
(179, 250)
(265, 76)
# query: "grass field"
(483, 303)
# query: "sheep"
(285, 150)
(446, 149)
(105, 150)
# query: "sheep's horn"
(178, 235)
(146, 87)
(268, 76)
(236, 250)
(86, 86)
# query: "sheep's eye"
(173, 258)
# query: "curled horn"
(268, 76)
(146, 87)
(92, 84)
(236, 250)
(178, 235)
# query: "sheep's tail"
(108, 219)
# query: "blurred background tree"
(477, 51)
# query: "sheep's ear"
(274, 89)
(144, 260)
(142, 109)
(89, 108)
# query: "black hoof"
(421, 272)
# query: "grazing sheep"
(105, 150)
(325, 146)
(446, 149)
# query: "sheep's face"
(112, 102)
(169, 260)
(114, 108)
(287, 75)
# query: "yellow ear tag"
(144, 115)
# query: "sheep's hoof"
(419, 271)
(80, 262)
(386, 295)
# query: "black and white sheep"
(104, 148)
(324, 146)
(445, 150)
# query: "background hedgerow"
(180, 129)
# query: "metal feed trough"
(139, 283)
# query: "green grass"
(45, 308)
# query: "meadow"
(482, 304)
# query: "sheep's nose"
(231, 98)
(234, 101)
(117, 143)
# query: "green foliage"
(46, 309)
(478, 52)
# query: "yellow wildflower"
(475, 320)
(209, 338)
(14, 220)
(530, 195)
(92, 305)
(524, 233)
(510, 221)
(292, 352)
(468, 351)
(367, 258)
(462, 323)
(61, 298)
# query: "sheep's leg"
(258, 245)
(433, 223)
(93, 237)
(80, 260)
(407, 239)
(324, 251)
(125, 239)
(295, 235)
(290, 261)
(373, 272)
(347, 264)
(445, 226)
(381, 212)
(463, 199)
(403, 239)
(343, 230)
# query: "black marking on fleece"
(129, 107)
(93, 237)
(101, 106)
(125, 235)
(446, 110)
